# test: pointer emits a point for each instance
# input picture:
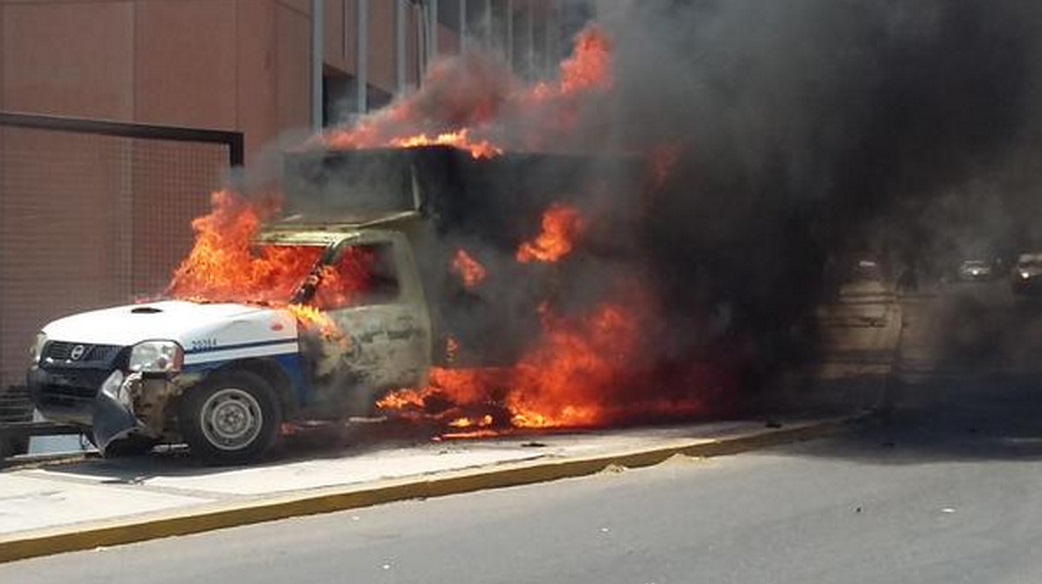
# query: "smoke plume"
(816, 129)
(753, 146)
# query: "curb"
(210, 517)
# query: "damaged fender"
(131, 405)
(113, 412)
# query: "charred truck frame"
(225, 377)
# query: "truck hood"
(191, 324)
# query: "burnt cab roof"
(496, 198)
(297, 230)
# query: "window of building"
(338, 98)
(449, 14)
(477, 15)
(377, 98)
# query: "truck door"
(373, 293)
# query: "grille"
(62, 351)
(58, 391)
(66, 387)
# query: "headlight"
(1025, 275)
(156, 357)
(36, 350)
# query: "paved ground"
(947, 492)
(51, 508)
(862, 333)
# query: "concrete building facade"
(248, 65)
(87, 222)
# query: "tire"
(233, 417)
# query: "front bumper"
(108, 404)
(975, 276)
(65, 395)
(1027, 286)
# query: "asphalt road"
(950, 490)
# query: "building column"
(362, 66)
(488, 25)
(432, 31)
(530, 42)
(399, 45)
(463, 26)
(318, 12)
(510, 34)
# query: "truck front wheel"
(231, 418)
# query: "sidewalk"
(89, 503)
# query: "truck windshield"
(356, 275)
(258, 274)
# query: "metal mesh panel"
(89, 220)
(173, 183)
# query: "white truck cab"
(224, 377)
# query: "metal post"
(510, 34)
(432, 30)
(549, 30)
(530, 42)
(362, 66)
(462, 26)
(345, 38)
(421, 41)
(318, 12)
(488, 24)
(399, 44)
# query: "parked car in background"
(976, 271)
(1026, 278)
(867, 269)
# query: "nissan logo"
(77, 352)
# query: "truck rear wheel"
(231, 418)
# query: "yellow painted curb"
(222, 515)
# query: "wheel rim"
(231, 419)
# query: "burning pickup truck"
(355, 302)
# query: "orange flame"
(484, 421)
(663, 159)
(561, 226)
(585, 370)
(478, 149)
(402, 399)
(583, 373)
(565, 381)
(469, 434)
(471, 272)
(471, 103)
(341, 284)
(577, 375)
(225, 266)
(587, 70)
(451, 349)
(314, 319)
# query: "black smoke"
(806, 134)
(812, 131)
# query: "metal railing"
(94, 213)
(234, 140)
